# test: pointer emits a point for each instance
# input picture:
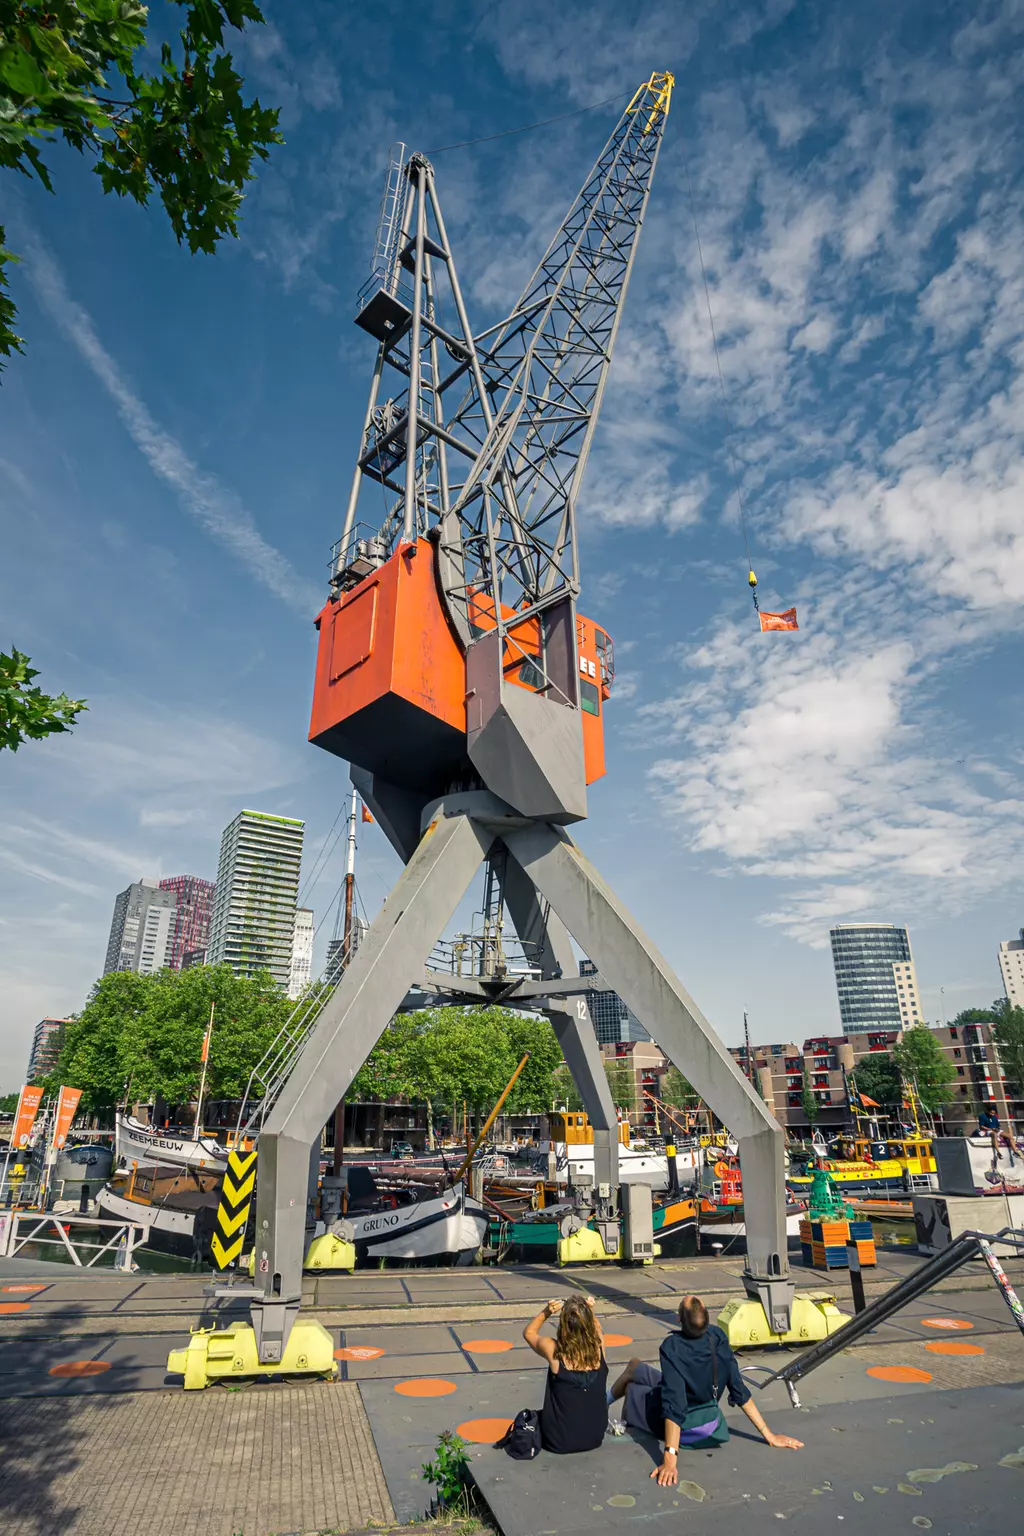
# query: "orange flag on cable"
(785, 620)
(368, 817)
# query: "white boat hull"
(138, 1143)
(636, 1165)
(450, 1224)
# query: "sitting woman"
(575, 1412)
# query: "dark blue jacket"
(687, 1378)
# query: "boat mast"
(197, 1132)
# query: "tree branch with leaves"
(26, 712)
(71, 70)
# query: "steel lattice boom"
(511, 533)
(498, 475)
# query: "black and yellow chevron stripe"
(233, 1211)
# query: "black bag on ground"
(521, 1440)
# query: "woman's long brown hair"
(578, 1344)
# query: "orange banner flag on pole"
(368, 817)
(28, 1107)
(785, 620)
(67, 1106)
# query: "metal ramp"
(969, 1245)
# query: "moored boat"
(142, 1144)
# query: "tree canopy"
(1008, 1034)
(878, 1076)
(78, 70)
(145, 1034)
(141, 1037)
(924, 1065)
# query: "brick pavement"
(251, 1463)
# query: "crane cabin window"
(589, 697)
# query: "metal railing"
(272, 1071)
(969, 1245)
(20, 1228)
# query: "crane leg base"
(223, 1354)
(330, 1252)
(814, 1316)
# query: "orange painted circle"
(426, 1386)
(81, 1368)
(22, 1287)
(487, 1347)
(483, 1431)
(945, 1322)
(13, 1306)
(898, 1373)
(616, 1340)
(358, 1352)
(955, 1347)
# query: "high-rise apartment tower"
(1011, 968)
(875, 977)
(252, 927)
(141, 929)
(613, 1022)
(302, 952)
(190, 930)
(45, 1044)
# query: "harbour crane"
(456, 677)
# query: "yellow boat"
(881, 1164)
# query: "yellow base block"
(587, 1247)
(330, 1252)
(814, 1316)
(220, 1354)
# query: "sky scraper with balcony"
(190, 928)
(875, 977)
(141, 929)
(252, 925)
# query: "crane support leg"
(388, 960)
(631, 965)
(544, 936)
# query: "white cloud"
(216, 508)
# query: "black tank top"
(575, 1412)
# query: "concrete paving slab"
(426, 1338)
(745, 1486)
(406, 1367)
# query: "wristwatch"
(670, 1450)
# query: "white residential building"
(252, 925)
(142, 929)
(1011, 967)
(907, 994)
(302, 952)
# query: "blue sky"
(175, 451)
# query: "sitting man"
(680, 1402)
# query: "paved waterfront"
(99, 1439)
